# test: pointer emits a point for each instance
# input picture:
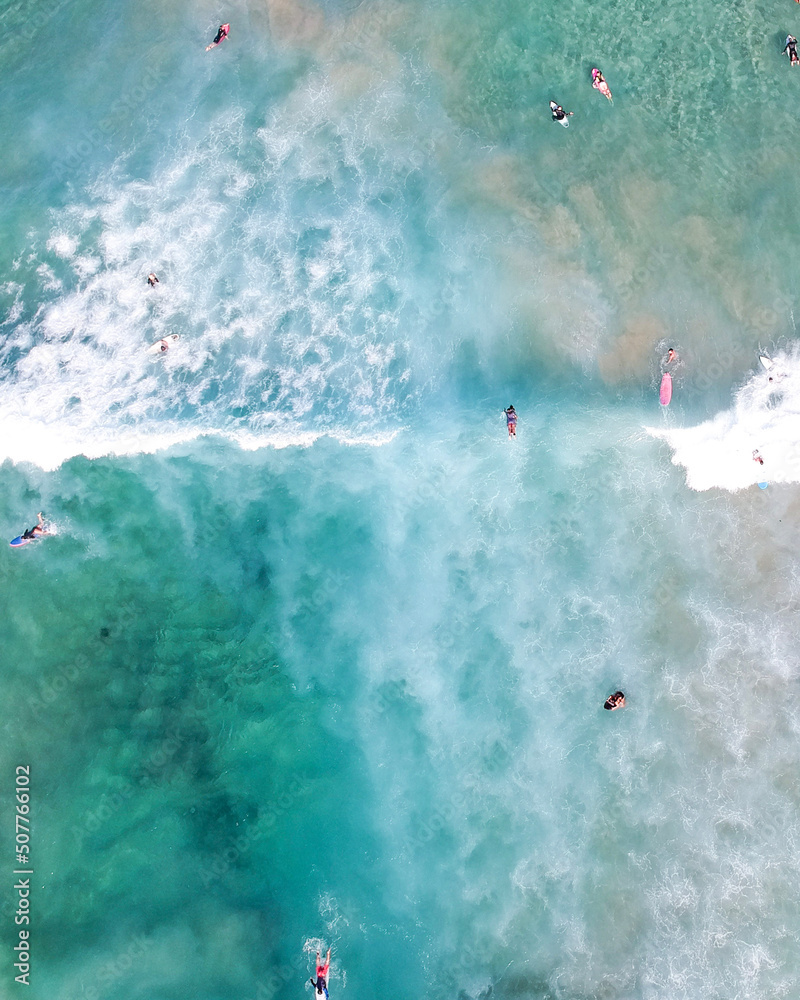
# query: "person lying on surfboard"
(791, 45)
(614, 701)
(757, 457)
(222, 34)
(321, 984)
(599, 83)
(511, 420)
(37, 530)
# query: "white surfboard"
(766, 362)
(561, 121)
(162, 346)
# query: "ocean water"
(316, 656)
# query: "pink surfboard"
(666, 389)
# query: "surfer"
(672, 355)
(152, 280)
(559, 114)
(757, 457)
(791, 46)
(37, 530)
(614, 701)
(599, 83)
(511, 420)
(321, 984)
(221, 35)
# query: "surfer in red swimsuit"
(321, 984)
(599, 83)
(222, 34)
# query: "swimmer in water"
(152, 280)
(511, 421)
(599, 83)
(37, 530)
(559, 114)
(221, 35)
(321, 984)
(672, 355)
(791, 48)
(614, 701)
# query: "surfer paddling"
(222, 34)
(672, 355)
(37, 530)
(757, 457)
(615, 701)
(152, 280)
(321, 983)
(511, 421)
(599, 83)
(791, 49)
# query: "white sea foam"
(764, 418)
(295, 319)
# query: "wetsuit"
(320, 985)
(791, 45)
(559, 114)
(222, 33)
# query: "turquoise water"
(317, 656)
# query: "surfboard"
(162, 346)
(763, 486)
(766, 362)
(561, 121)
(19, 540)
(602, 86)
(665, 395)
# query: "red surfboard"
(666, 389)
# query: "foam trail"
(765, 417)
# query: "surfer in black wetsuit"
(791, 47)
(152, 280)
(37, 530)
(559, 114)
(221, 35)
(614, 701)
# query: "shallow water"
(316, 655)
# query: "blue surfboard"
(761, 486)
(19, 540)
